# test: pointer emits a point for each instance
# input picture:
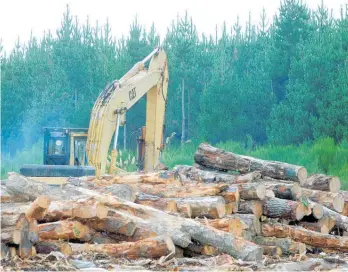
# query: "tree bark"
(333, 201)
(308, 237)
(154, 247)
(66, 230)
(282, 208)
(213, 157)
(254, 207)
(287, 245)
(322, 182)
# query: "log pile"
(225, 203)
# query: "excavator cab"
(64, 154)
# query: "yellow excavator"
(81, 151)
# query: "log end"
(220, 210)
(335, 185)
(318, 211)
(101, 211)
(296, 191)
(338, 203)
(302, 175)
(261, 191)
(300, 211)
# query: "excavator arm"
(113, 102)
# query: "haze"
(18, 18)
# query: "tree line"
(283, 81)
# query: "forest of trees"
(284, 82)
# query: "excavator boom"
(109, 109)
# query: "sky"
(20, 18)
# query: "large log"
(148, 248)
(322, 182)
(254, 207)
(283, 208)
(180, 229)
(290, 191)
(29, 188)
(287, 245)
(191, 174)
(222, 241)
(66, 230)
(308, 237)
(182, 191)
(10, 214)
(213, 157)
(333, 201)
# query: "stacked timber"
(225, 203)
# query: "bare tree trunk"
(183, 128)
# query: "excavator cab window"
(56, 146)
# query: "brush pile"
(224, 204)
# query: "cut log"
(183, 191)
(155, 178)
(164, 204)
(148, 248)
(10, 215)
(24, 186)
(213, 157)
(308, 237)
(114, 223)
(251, 207)
(328, 222)
(344, 195)
(38, 207)
(287, 245)
(139, 234)
(209, 207)
(317, 210)
(283, 208)
(333, 201)
(46, 247)
(66, 230)
(341, 220)
(251, 191)
(95, 237)
(165, 224)
(322, 182)
(285, 190)
(191, 174)
(224, 241)
(25, 235)
(84, 208)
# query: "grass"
(322, 156)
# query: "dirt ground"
(100, 262)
